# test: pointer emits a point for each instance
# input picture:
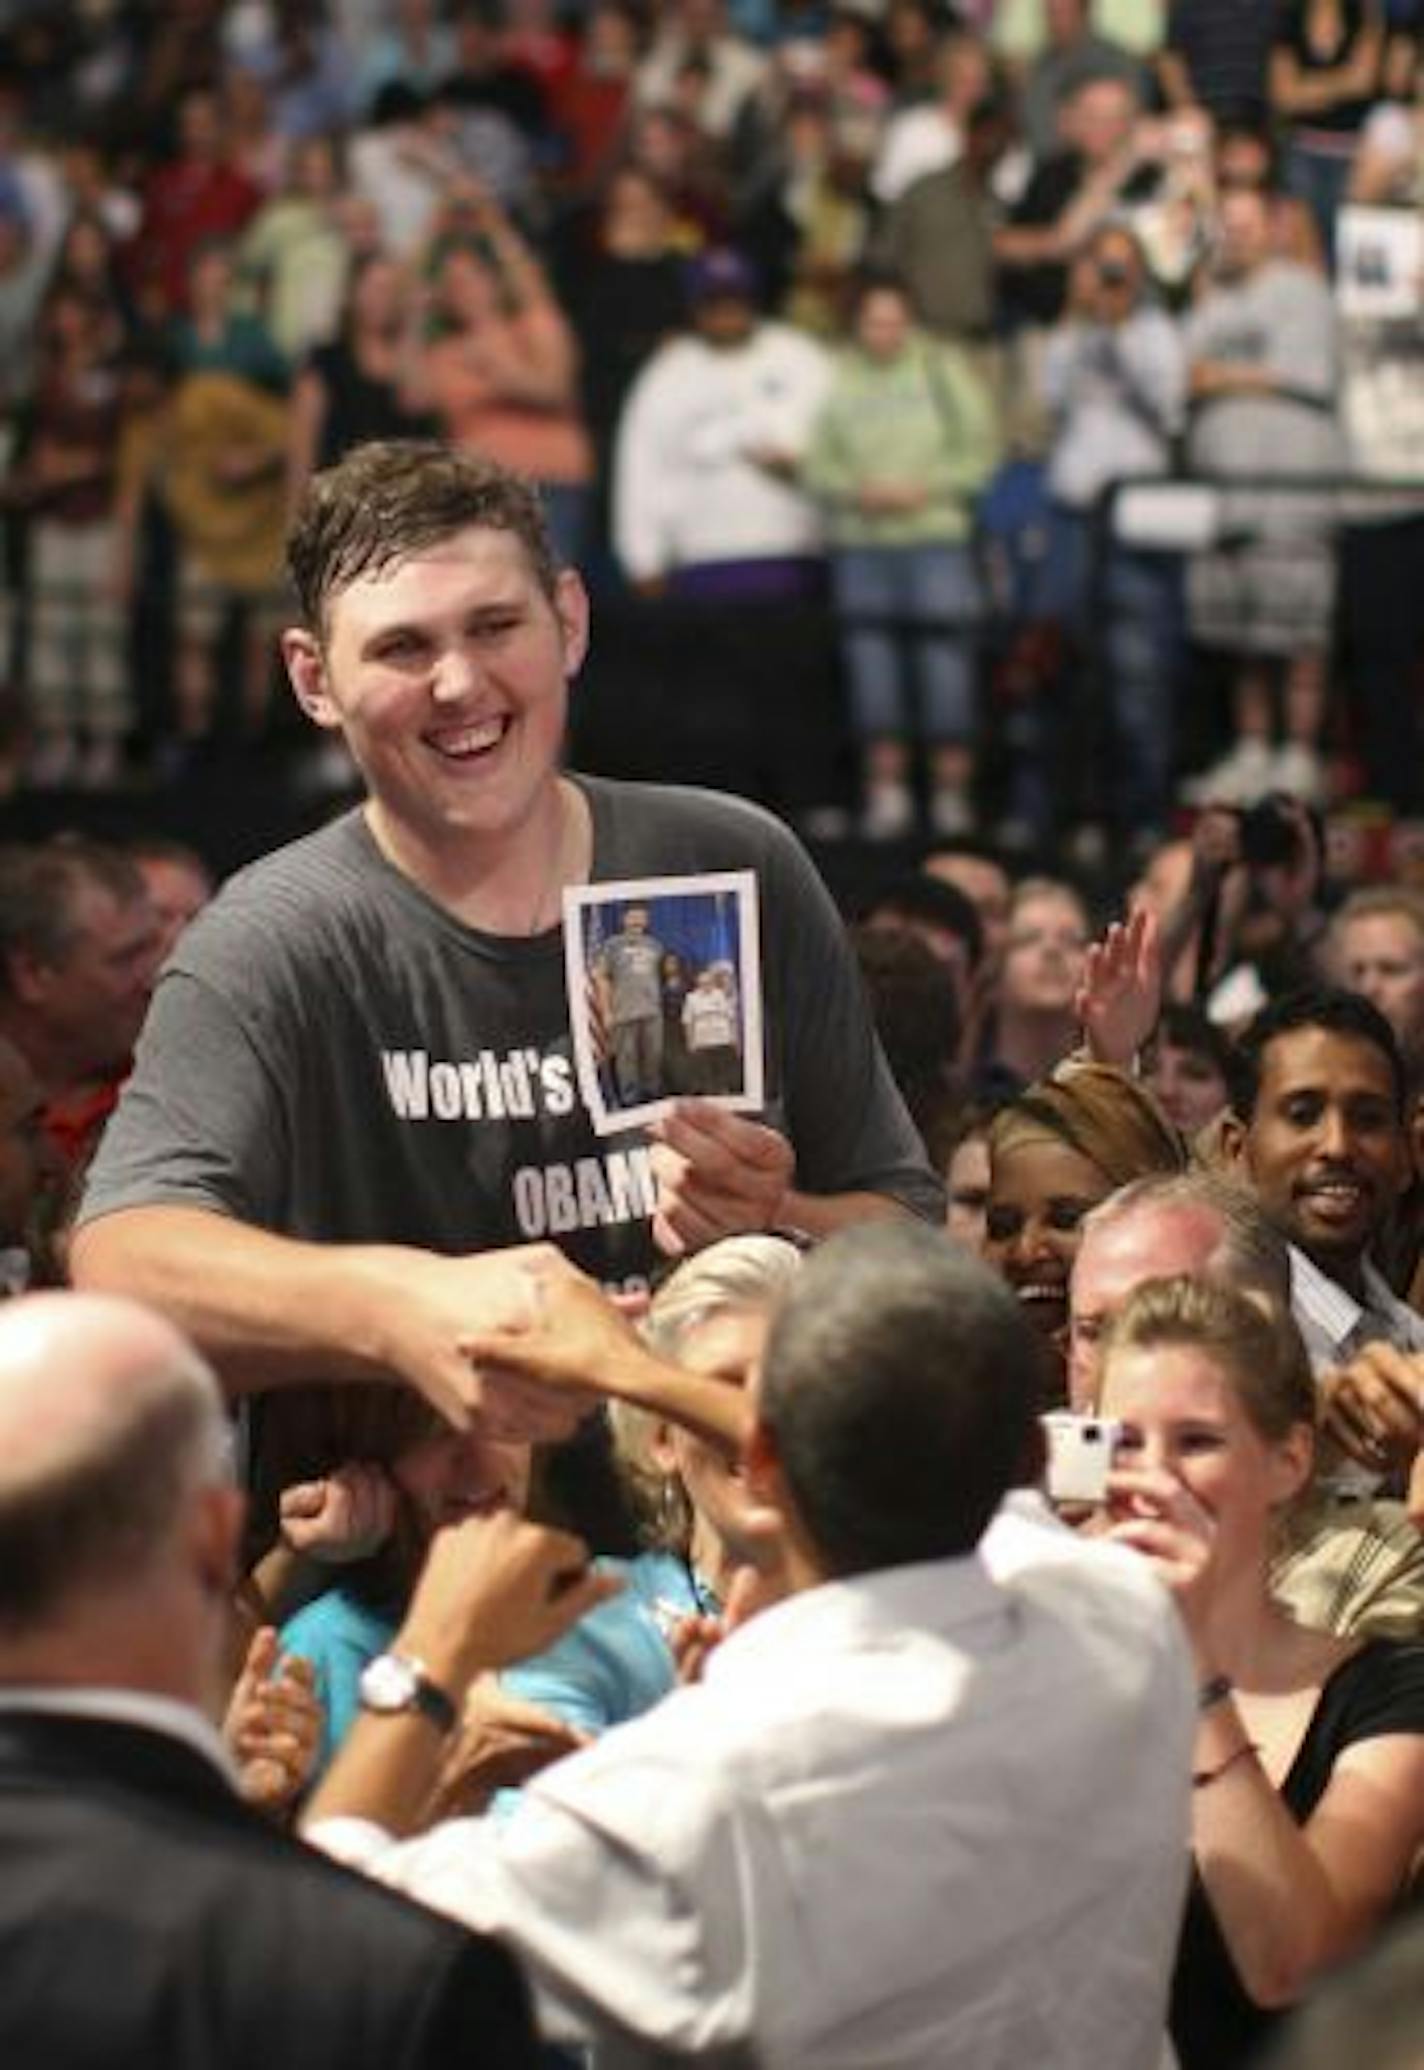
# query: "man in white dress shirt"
(928, 1809)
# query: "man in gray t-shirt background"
(627, 972)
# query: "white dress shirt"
(918, 1818)
(1335, 1325)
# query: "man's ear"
(26, 977)
(1232, 1138)
(661, 1448)
(306, 669)
(1292, 1460)
(215, 1526)
(571, 608)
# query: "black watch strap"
(432, 1702)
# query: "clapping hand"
(273, 1726)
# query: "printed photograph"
(664, 978)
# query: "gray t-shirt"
(331, 1055)
(632, 964)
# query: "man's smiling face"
(447, 671)
(1325, 1148)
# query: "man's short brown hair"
(395, 497)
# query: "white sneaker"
(1298, 770)
(1242, 776)
(889, 812)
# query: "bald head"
(1186, 1226)
(109, 1420)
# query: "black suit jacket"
(150, 1921)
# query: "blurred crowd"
(996, 332)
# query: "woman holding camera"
(1308, 1772)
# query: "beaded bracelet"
(1202, 1776)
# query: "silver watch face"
(389, 1683)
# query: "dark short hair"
(915, 897)
(394, 497)
(38, 888)
(901, 1383)
(914, 1002)
(1184, 1026)
(1328, 1007)
(106, 1514)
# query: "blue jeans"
(898, 602)
(1130, 621)
(1319, 179)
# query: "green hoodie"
(924, 418)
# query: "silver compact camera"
(1080, 1455)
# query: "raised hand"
(273, 1726)
(1120, 998)
(495, 1589)
(1159, 1516)
(345, 1517)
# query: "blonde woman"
(710, 1316)
(1308, 1771)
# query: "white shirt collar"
(1325, 1310)
(161, 1714)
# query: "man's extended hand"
(495, 1589)
(436, 1311)
(718, 1174)
(582, 1340)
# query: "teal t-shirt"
(338, 1634)
(616, 1662)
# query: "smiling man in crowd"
(357, 1073)
(1318, 1132)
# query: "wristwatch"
(395, 1682)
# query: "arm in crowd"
(493, 1590)
(1297, 94)
(272, 1311)
(1374, 1408)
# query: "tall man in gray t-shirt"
(628, 973)
(353, 1108)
